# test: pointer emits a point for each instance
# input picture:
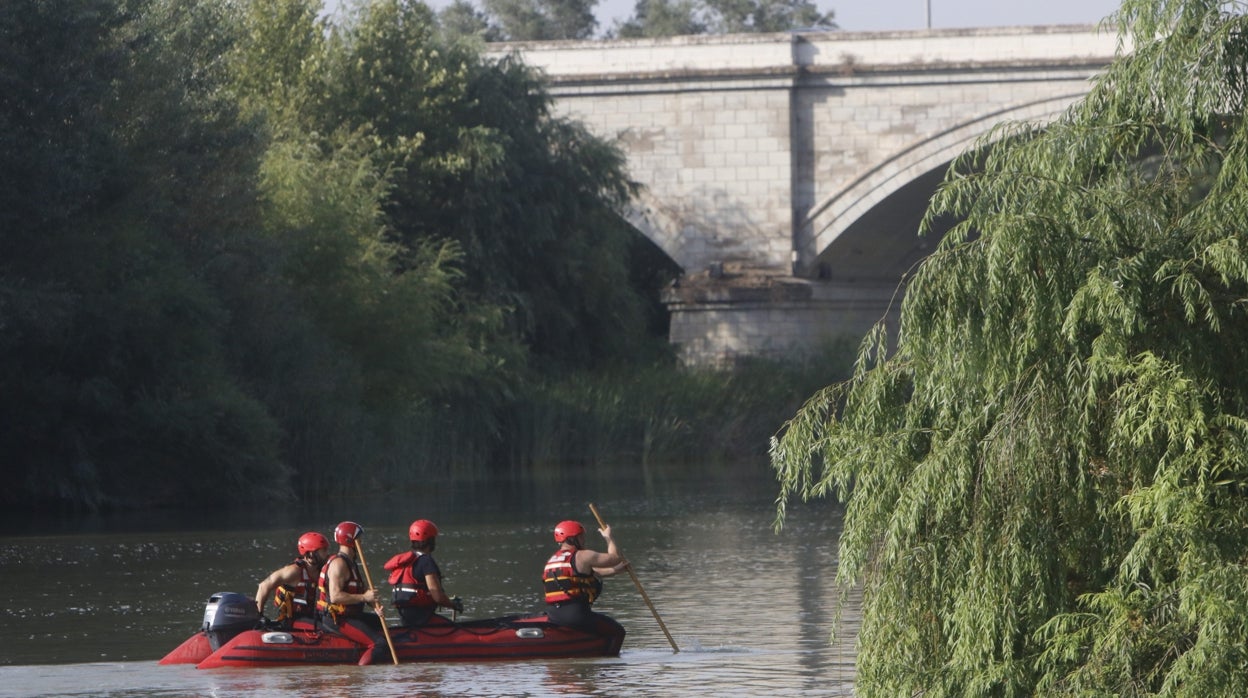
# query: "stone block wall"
(759, 152)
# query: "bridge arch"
(922, 165)
(786, 174)
(651, 217)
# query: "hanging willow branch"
(1046, 481)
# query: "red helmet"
(568, 529)
(347, 532)
(312, 541)
(422, 530)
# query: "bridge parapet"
(783, 53)
(801, 162)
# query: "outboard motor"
(226, 615)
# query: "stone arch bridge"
(787, 173)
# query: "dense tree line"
(551, 20)
(1047, 476)
(252, 251)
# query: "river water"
(92, 605)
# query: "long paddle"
(629, 566)
(369, 578)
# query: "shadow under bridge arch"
(868, 231)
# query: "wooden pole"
(377, 607)
(629, 566)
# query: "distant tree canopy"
(745, 16)
(462, 19)
(543, 20)
(552, 20)
(1046, 478)
(247, 252)
(656, 18)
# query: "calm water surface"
(93, 605)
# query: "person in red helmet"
(342, 593)
(572, 580)
(294, 586)
(417, 581)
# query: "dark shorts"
(412, 617)
(580, 615)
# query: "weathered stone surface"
(800, 164)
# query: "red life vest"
(301, 597)
(354, 585)
(409, 591)
(563, 582)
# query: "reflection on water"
(751, 611)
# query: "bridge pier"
(786, 174)
(720, 318)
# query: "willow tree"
(1046, 478)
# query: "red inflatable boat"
(234, 635)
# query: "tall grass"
(636, 421)
(655, 421)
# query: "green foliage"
(278, 56)
(1046, 479)
(461, 19)
(476, 158)
(399, 326)
(543, 20)
(125, 182)
(393, 333)
(655, 18)
(745, 16)
(661, 417)
(248, 253)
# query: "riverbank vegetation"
(1047, 478)
(248, 253)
